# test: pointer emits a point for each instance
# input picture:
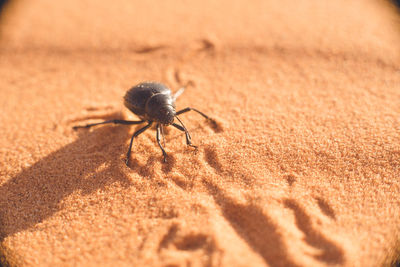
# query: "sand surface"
(302, 170)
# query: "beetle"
(153, 102)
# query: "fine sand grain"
(302, 170)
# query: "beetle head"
(161, 108)
(166, 115)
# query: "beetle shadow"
(88, 164)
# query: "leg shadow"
(255, 227)
(330, 252)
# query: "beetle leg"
(182, 129)
(198, 111)
(141, 130)
(159, 143)
(187, 134)
(189, 109)
(162, 134)
(109, 121)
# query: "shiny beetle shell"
(138, 96)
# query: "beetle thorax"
(160, 107)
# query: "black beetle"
(153, 102)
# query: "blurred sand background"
(302, 171)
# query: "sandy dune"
(302, 170)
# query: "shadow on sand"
(88, 164)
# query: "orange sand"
(302, 171)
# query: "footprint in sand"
(178, 245)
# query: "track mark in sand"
(177, 240)
(169, 237)
(211, 158)
(330, 252)
(192, 242)
(177, 76)
(182, 182)
(290, 178)
(149, 49)
(207, 45)
(200, 46)
(326, 208)
(174, 74)
(253, 226)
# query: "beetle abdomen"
(136, 97)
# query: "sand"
(302, 170)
